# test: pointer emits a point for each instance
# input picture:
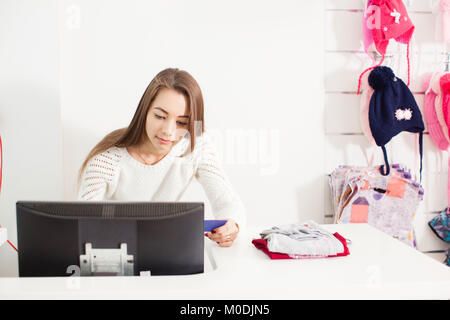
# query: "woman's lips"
(162, 141)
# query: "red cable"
(12, 245)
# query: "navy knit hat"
(392, 110)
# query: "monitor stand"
(106, 262)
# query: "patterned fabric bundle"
(389, 203)
(441, 225)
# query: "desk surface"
(378, 267)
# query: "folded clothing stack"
(302, 241)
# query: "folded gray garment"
(303, 239)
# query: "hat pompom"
(380, 77)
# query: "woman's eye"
(180, 123)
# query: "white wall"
(71, 71)
(260, 67)
(30, 123)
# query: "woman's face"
(167, 120)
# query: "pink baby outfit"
(434, 127)
(444, 83)
(436, 87)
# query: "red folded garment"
(262, 245)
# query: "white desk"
(378, 267)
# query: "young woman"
(156, 157)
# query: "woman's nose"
(168, 129)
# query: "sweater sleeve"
(225, 202)
(100, 176)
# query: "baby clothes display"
(386, 202)
(388, 199)
(302, 241)
(437, 106)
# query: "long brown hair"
(171, 78)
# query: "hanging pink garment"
(433, 125)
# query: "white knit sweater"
(116, 175)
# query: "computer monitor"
(109, 238)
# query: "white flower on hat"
(405, 114)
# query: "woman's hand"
(224, 235)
